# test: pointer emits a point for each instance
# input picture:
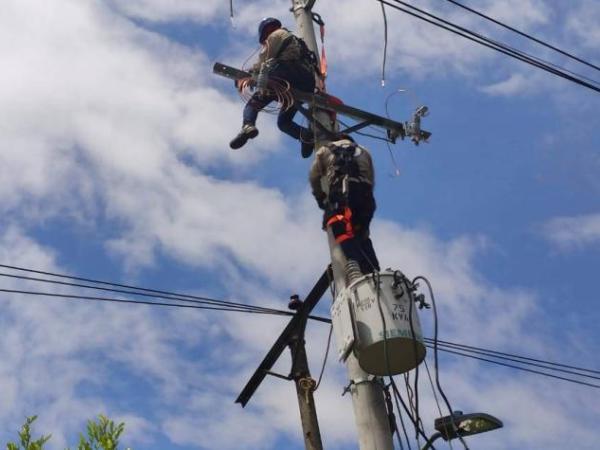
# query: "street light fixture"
(461, 425)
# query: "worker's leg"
(302, 79)
(249, 130)
(369, 262)
(363, 207)
(285, 122)
(256, 103)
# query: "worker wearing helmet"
(342, 180)
(285, 57)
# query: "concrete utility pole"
(367, 392)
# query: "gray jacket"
(271, 48)
(322, 171)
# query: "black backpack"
(307, 57)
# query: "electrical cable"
(485, 353)
(389, 147)
(139, 302)
(498, 46)
(108, 283)
(248, 58)
(389, 405)
(171, 296)
(503, 48)
(486, 42)
(282, 313)
(402, 422)
(446, 346)
(385, 43)
(528, 36)
(435, 397)
(501, 354)
(455, 348)
(324, 358)
(414, 341)
(399, 397)
(571, 380)
(411, 403)
(521, 52)
(435, 353)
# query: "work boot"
(248, 132)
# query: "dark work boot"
(248, 132)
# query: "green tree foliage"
(102, 434)
(25, 442)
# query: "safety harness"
(345, 170)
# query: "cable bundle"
(277, 88)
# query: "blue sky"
(114, 164)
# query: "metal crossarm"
(283, 341)
(323, 102)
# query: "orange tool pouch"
(341, 225)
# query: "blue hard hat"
(266, 23)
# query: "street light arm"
(429, 443)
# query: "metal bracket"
(358, 126)
(277, 375)
(368, 379)
(413, 128)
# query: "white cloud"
(518, 14)
(573, 232)
(99, 117)
(515, 84)
(583, 22)
(166, 11)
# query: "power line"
(571, 380)
(147, 292)
(487, 42)
(138, 302)
(206, 303)
(517, 359)
(385, 43)
(130, 290)
(173, 296)
(495, 45)
(528, 36)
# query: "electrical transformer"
(376, 318)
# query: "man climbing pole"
(282, 57)
(342, 181)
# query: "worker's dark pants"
(300, 78)
(360, 247)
